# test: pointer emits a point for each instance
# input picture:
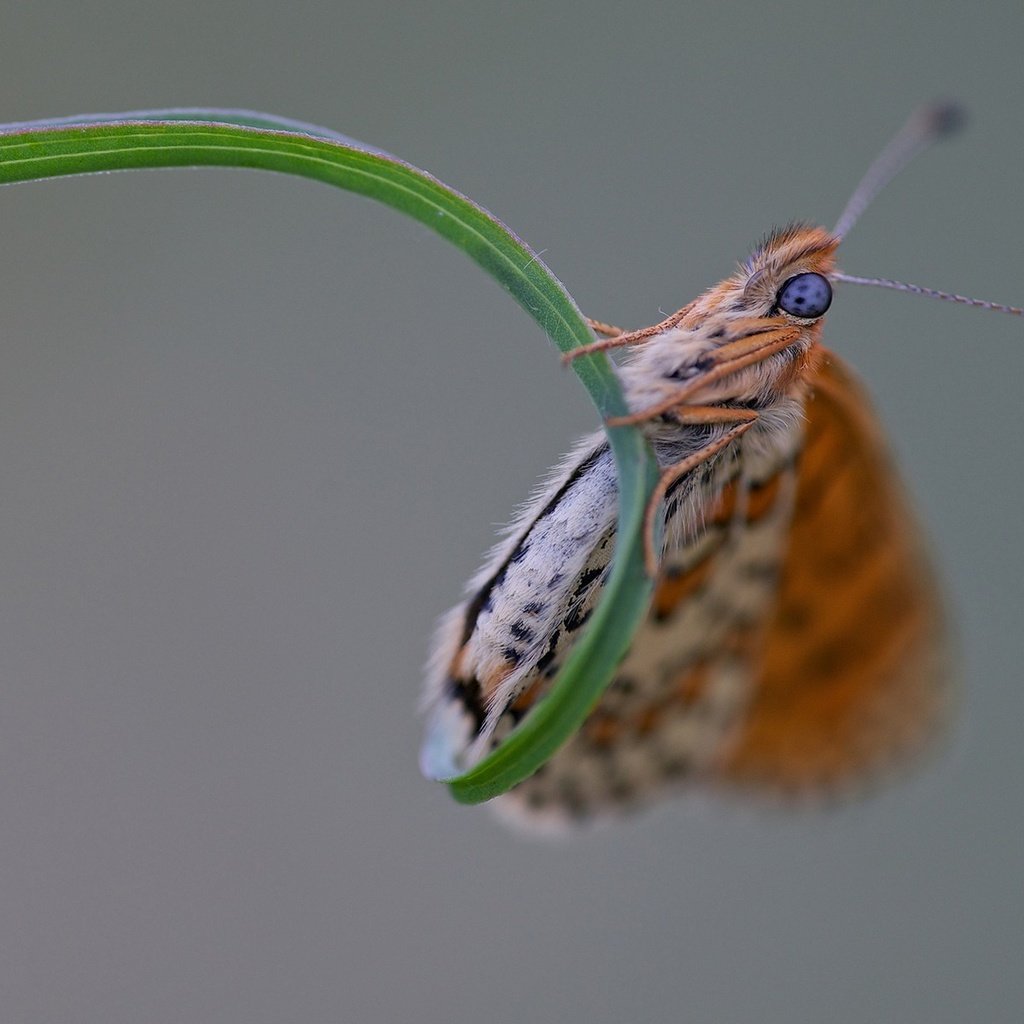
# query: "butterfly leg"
(620, 339)
(743, 420)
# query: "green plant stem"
(191, 138)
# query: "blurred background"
(255, 433)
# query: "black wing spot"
(549, 655)
(512, 655)
(586, 581)
(759, 570)
(577, 617)
(676, 767)
(521, 631)
(469, 693)
(519, 554)
(624, 685)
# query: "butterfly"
(796, 641)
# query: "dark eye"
(806, 295)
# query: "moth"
(795, 643)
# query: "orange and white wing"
(797, 647)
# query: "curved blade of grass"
(188, 137)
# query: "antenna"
(925, 126)
(931, 293)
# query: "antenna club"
(944, 118)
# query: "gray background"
(254, 434)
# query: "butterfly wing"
(796, 647)
(853, 672)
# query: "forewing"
(497, 653)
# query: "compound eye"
(807, 296)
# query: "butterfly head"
(788, 274)
(785, 281)
(746, 339)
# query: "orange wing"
(854, 670)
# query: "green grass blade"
(190, 137)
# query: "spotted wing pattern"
(687, 678)
(498, 653)
(794, 642)
(797, 648)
